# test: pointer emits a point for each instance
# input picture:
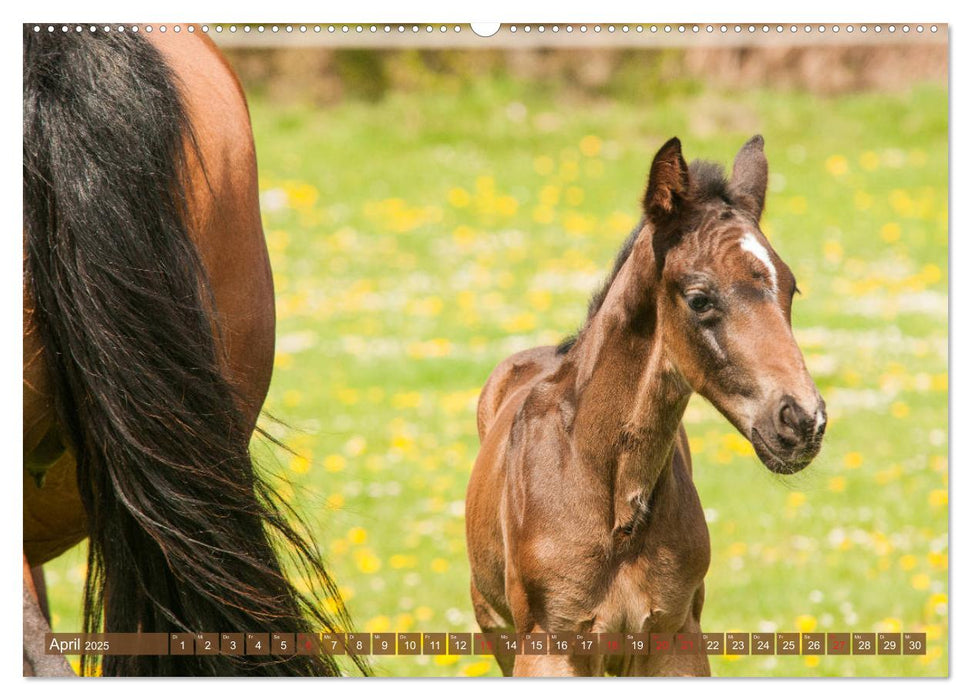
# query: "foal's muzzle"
(788, 436)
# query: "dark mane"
(597, 300)
(708, 182)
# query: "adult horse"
(581, 511)
(148, 348)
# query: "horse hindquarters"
(178, 521)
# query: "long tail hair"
(184, 535)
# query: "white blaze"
(750, 244)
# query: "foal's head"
(724, 300)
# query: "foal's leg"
(678, 664)
(492, 622)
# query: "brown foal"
(581, 513)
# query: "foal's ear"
(750, 174)
(667, 185)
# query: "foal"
(581, 513)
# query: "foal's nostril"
(794, 424)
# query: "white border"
(602, 11)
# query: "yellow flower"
(299, 464)
(898, 409)
(334, 463)
(938, 498)
(507, 205)
(458, 197)
(478, 668)
(907, 562)
(463, 235)
(574, 196)
(302, 196)
(812, 661)
(402, 561)
(446, 660)
(737, 549)
(805, 623)
(381, 623)
(795, 499)
(890, 624)
(890, 232)
(837, 165)
(423, 613)
(347, 396)
(837, 484)
(439, 565)
(921, 582)
(357, 535)
(520, 323)
(937, 604)
(853, 460)
(869, 161)
(930, 273)
(367, 561)
(590, 145)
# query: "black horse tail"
(184, 535)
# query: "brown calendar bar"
(467, 643)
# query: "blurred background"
(431, 208)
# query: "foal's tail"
(182, 531)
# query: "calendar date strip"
(467, 643)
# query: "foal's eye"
(700, 303)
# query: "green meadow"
(420, 238)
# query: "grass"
(420, 239)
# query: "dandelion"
(869, 161)
(890, 232)
(852, 460)
(459, 198)
(381, 623)
(837, 484)
(347, 396)
(907, 562)
(366, 560)
(335, 463)
(357, 535)
(520, 323)
(837, 165)
(898, 409)
(299, 464)
(478, 668)
(921, 582)
(806, 623)
(590, 145)
(795, 499)
(938, 498)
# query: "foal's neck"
(640, 396)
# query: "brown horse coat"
(581, 513)
(228, 233)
